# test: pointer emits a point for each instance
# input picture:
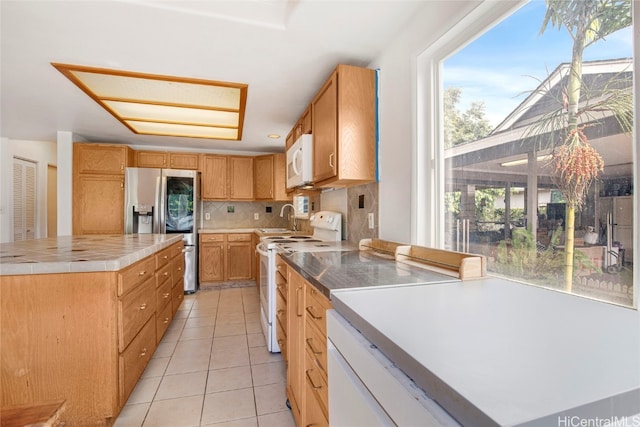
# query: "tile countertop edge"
(110, 264)
(624, 403)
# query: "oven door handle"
(260, 248)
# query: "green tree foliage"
(461, 127)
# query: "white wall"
(43, 153)
(397, 91)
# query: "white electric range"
(327, 236)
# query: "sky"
(502, 65)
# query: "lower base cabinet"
(226, 257)
(306, 346)
(84, 337)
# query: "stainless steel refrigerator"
(165, 201)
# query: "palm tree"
(575, 161)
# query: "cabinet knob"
(166, 273)
(142, 273)
(143, 352)
(166, 320)
(166, 295)
(143, 306)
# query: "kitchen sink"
(274, 230)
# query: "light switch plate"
(207, 216)
(256, 216)
(370, 218)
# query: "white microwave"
(300, 162)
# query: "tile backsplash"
(357, 217)
(233, 214)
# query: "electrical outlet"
(256, 216)
(207, 216)
(370, 218)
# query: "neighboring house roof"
(547, 97)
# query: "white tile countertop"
(72, 254)
(494, 352)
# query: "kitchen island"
(81, 317)
(489, 351)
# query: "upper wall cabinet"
(303, 126)
(109, 159)
(160, 159)
(214, 177)
(269, 177)
(227, 177)
(344, 124)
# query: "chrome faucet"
(293, 208)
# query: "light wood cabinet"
(98, 204)
(240, 178)
(227, 177)
(212, 256)
(295, 347)
(184, 161)
(226, 257)
(270, 178)
(282, 295)
(214, 177)
(103, 159)
(90, 342)
(239, 257)
(305, 345)
(166, 160)
(151, 159)
(344, 122)
(98, 188)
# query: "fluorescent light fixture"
(151, 104)
(525, 161)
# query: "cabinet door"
(100, 158)
(306, 123)
(263, 177)
(280, 178)
(212, 262)
(241, 178)
(239, 260)
(98, 204)
(289, 140)
(325, 119)
(151, 159)
(214, 177)
(183, 161)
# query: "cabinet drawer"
(211, 237)
(281, 266)
(163, 295)
(316, 306)
(163, 275)
(131, 276)
(282, 286)
(134, 310)
(238, 237)
(313, 415)
(163, 320)
(316, 345)
(177, 249)
(177, 296)
(163, 257)
(134, 359)
(177, 266)
(316, 386)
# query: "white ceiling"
(284, 51)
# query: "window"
(513, 168)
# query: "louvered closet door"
(24, 200)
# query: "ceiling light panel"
(180, 102)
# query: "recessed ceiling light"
(273, 136)
(151, 104)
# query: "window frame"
(428, 223)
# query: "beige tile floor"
(212, 368)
